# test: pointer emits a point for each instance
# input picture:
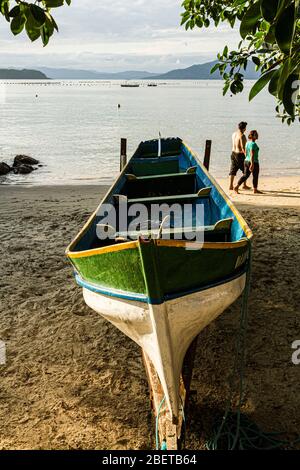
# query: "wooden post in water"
(123, 154)
(206, 160)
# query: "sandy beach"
(72, 381)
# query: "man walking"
(239, 141)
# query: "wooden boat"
(159, 289)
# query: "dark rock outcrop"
(4, 168)
(23, 169)
(24, 159)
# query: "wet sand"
(72, 381)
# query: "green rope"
(182, 441)
(250, 436)
(237, 431)
(157, 423)
(163, 445)
(238, 365)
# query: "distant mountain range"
(202, 72)
(25, 74)
(195, 72)
(74, 74)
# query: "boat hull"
(162, 287)
(165, 331)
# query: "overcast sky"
(117, 35)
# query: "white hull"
(166, 331)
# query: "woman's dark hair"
(253, 134)
(242, 126)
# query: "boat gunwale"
(175, 243)
(170, 243)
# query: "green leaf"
(289, 94)
(225, 89)
(260, 84)
(270, 36)
(199, 22)
(284, 73)
(4, 7)
(52, 21)
(38, 15)
(17, 24)
(236, 87)
(15, 11)
(269, 9)
(185, 17)
(256, 61)
(239, 2)
(44, 35)
(285, 29)
(215, 67)
(47, 31)
(273, 85)
(54, 3)
(250, 19)
(32, 33)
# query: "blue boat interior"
(163, 172)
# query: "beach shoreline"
(277, 191)
(73, 381)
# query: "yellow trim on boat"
(170, 243)
(230, 204)
(103, 250)
(202, 246)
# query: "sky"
(117, 35)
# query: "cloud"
(112, 36)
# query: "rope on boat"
(237, 431)
(157, 424)
(184, 425)
(163, 445)
(238, 367)
(162, 226)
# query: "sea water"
(74, 127)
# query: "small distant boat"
(130, 85)
(152, 84)
(158, 285)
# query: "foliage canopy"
(33, 17)
(270, 38)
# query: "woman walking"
(251, 163)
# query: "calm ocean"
(74, 127)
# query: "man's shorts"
(237, 163)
